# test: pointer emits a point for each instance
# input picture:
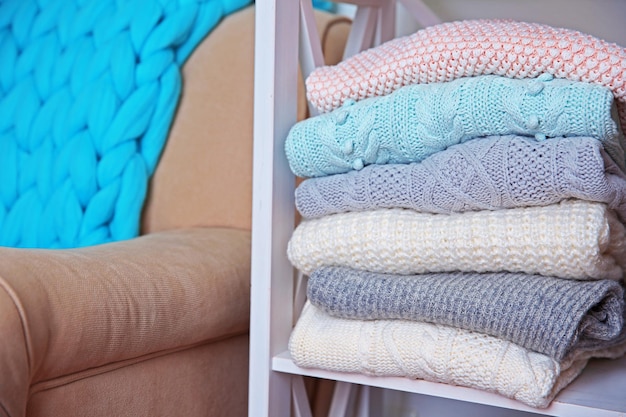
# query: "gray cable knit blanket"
(548, 315)
(482, 174)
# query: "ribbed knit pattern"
(483, 174)
(88, 89)
(435, 353)
(418, 120)
(469, 48)
(548, 315)
(573, 239)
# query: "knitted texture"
(88, 89)
(418, 120)
(483, 174)
(435, 353)
(548, 315)
(573, 239)
(469, 48)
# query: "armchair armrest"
(65, 311)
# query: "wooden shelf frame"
(284, 29)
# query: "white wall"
(605, 19)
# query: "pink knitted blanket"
(468, 48)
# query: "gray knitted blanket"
(551, 316)
(482, 174)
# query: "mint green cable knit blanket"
(416, 121)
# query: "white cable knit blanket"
(435, 353)
(573, 239)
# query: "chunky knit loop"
(88, 89)
(468, 48)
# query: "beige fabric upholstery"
(205, 380)
(77, 313)
(204, 176)
(153, 326)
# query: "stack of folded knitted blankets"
(463, 209)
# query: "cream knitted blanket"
(572, 239)
(434, 353)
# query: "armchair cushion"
(67, 311)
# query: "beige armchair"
(157, 325)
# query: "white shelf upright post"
(275, 95)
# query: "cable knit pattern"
(419, 120)
(483, 174)
(573, 239)
(435, 353)
(469, 48)
(548, 315)
(88, 89)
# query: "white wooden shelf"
(275, 386)
(600, 391)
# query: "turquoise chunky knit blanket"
(88, 90)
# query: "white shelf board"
(600, 391)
